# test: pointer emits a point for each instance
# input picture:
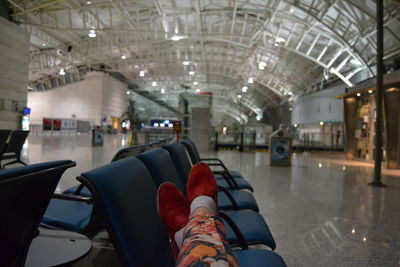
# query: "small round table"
(54, 247)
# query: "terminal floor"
(320, 210)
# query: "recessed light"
(62, 72)
(239, 96)
(162, 91)
(154, 83)
(358, 94)
(88, 2)
(141, 73)
(123, 57)
(191, 72)
(321, 123)
(370, 91)
(244, 89)
(250, 80)
(195, 83)
(185, 63)
(43, 44)
(197, 90)
(92, 33)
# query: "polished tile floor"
(320, 210)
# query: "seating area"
(121, 197)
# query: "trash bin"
(97, 137)
(281, 148)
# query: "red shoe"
(201, 182)
(173, 209)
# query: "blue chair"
(227, 198)
(132, 221)
(74, 211)
(243, 227)
(25, 193)
(225, 178)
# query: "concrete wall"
(92, 99)
(14, 62)
(320, 106)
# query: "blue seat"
(68, 215)
(25, 193)
(235, 178)
(72, 213)
(259, 257)
(227, 199)
(126, 196)
(137, 233)
(162, 169)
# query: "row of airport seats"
(11, 143)
(121, 196)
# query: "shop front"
(360, 120)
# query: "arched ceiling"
(285, 46)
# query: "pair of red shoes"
(174, 207)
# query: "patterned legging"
(205, 244)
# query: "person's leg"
(203, 238)
(204, 241)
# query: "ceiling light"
(127, 92)
(197, 90)
(258, 117)
(250, 80)
(88, 2)
(43, 44)
(358, 94)
(195, 83)
(185, 63)
(244, 89)
(62, 72)
(290, 93)
(295, 125)
(239, 96)
(332, 70)
(280, 40)
(92, 33)
(123, 57)
(177, 37)
(141, 73)
(291, 10)
(276, 44)
(321, 123)
(191, 72)
(262, 65)
(162, 91)
(370, 91)
(154, 83)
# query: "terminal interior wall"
(92, 99)
(319, 106)
(14, 63)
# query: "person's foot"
(174, 210)
(201, 182)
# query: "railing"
(251, 140)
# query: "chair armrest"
(229, 195)
(229, 178)
(73, 198)
(235, 229)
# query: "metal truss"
(224, 42)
